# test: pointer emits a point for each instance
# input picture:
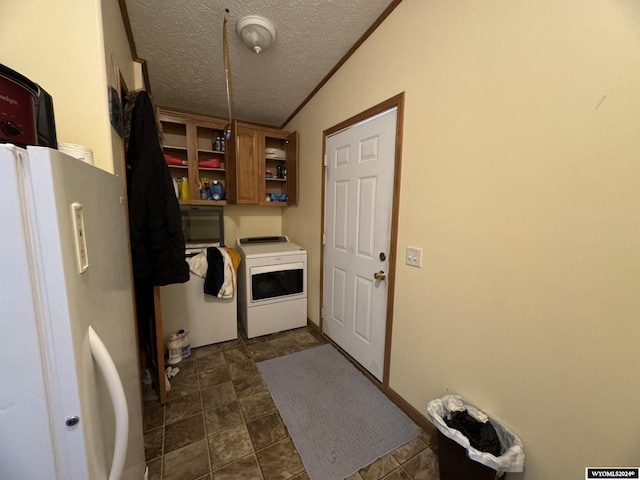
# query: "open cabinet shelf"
(255, 166)
(265, 169)
(196, 142)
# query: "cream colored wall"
(246, 221)
(521, 182)
(59, 46)
(118, 64)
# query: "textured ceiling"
(181, 41)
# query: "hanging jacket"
(157, 241)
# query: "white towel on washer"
(198, 264)
(229, 283)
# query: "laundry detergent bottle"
(217, 190)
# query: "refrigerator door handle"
(119, 400)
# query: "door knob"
(380, 275)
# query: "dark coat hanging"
(157, 241)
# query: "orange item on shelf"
(209, 163)
(173, 160)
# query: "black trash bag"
(482, 436)
(512, 457)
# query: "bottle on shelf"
(184, 189)
(176, 186)
(205, 191)
(217, 190)
(217, 144)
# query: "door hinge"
(322, 312)
(325, 160)
(324, 239)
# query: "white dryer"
(272, 285)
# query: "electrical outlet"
(414, 257)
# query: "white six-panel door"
(359, 195)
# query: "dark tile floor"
(220, 423)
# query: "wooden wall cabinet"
(264, 169)
(195, 150)
(257, 166)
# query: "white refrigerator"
(70, 405)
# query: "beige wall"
(246, 221)
(59, 45)
(521, 182)
(119, 66)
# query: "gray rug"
(338, 420)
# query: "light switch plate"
(414, 257)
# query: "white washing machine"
(208, 319)
(272, 285)
(184, 305)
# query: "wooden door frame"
(398, 102)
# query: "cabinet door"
(247, 166)
(292, 167)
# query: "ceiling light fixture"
(256, 32)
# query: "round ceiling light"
(256, 32)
